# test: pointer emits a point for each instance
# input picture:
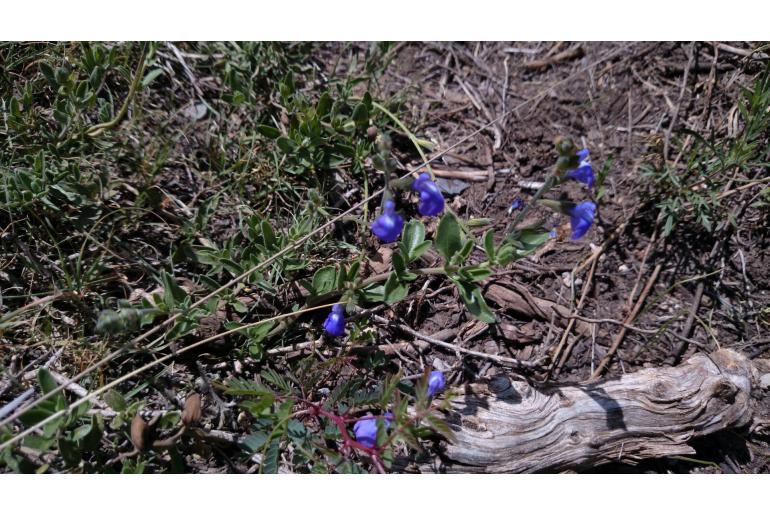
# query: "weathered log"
(509, 426)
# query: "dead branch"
(510, 426)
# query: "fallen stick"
(510, 426)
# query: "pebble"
(623, 269)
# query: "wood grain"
(509, 426)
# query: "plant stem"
(101, 127)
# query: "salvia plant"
(325, 428)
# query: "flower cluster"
(581, 215)
(388, 226)
(365, 429)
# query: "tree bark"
(509, 426)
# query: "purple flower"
(388, 226)
(365, 429)
(431, 200)
(581, 218)
(516, 204)
(436, 383)
(584, 172)
(335, 322)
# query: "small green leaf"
(373, 293)
(115, 400)
(400, 268)
(286, 145)
(505, 254)
(69, 451)
(324, 280)
(151, 76)
(489, 245)
(48, 73)
(448, 237)
(46, 380)
(474, 301)
(395, 290)
(361, 114)
(324, 104)
(475, 273)
(412, 240)
(441, 427)
(270, 132)
(173, 294)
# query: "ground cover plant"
(294, 257)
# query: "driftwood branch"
(510, 426)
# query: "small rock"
(623, 269)
(440, 365)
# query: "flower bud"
(335, 322)
(191, 413)
(388, 226)
(436, 383)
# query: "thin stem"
(101, 127)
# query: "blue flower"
(584, 172)
(436, 383)
(335, 322)
(516, 204)
(365, 430)
(388, 226)
(581, 218)
(431, 200)
(552, 234)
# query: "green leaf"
(286, 145)
(373, 293)
(48, 73)
(530, 240)
(361, 114)
(402, 271)
(441, 427)
(413, 241)
(69, 451)
(474, 301)
(46, 380)
(270, 132)
(489, 245)
(254, 442)
(475, 273)
(270, 459)
(237, 386)
(324, 104)
(115, 400)
(464, 252)
(173, 294)
(353, 272)
(448, 236)
(395, 290)
(505, 254)
(151, 76)
(324, 280)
